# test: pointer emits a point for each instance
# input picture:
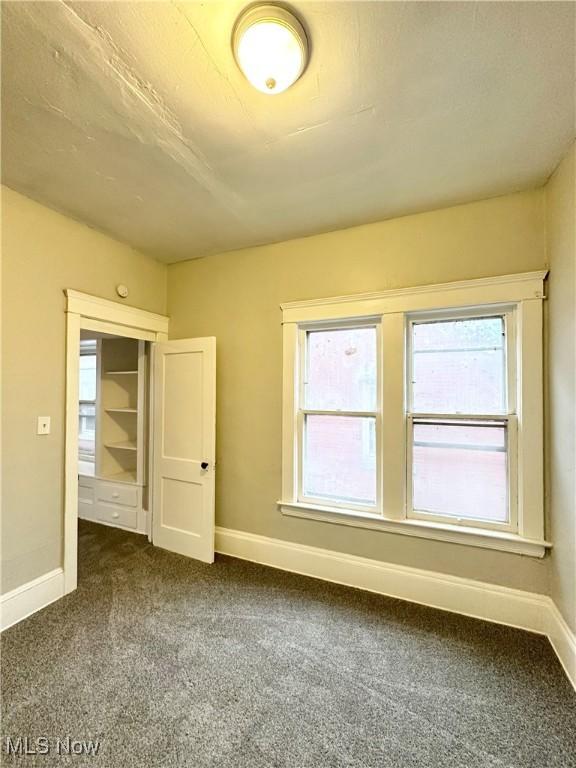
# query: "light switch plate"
(43, 425)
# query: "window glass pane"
(87, 377)
(341, 370)
(460, 471)
(87, 430)
(340, 459)
(458, 366)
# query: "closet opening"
(113, 431)
(140, 429)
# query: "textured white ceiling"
(132, 116)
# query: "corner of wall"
(560, 383)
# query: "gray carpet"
(169, 662)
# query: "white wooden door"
(184, 438)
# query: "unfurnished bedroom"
(288, 392)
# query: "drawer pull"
(115, 514)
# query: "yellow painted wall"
(43, 253)
(561, 242)
(236, 296)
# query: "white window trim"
(523, 293)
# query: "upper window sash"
(304, 402)
(508, 313)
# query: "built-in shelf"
(125, 445)
(121, 373)
(121, 415)
(128, 476)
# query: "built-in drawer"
(86, 499)
(117, 493)
(124, 516)
(85, 494)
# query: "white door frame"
(85, 312)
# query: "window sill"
(455, 534)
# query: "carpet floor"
(170, 662)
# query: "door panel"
(184, 425)
(177, 498)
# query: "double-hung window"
(87, 404)
(419, 412)
(338, 416)
(461, 420)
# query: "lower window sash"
(461, 470)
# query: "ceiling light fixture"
(270, 47)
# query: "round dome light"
(270, 47)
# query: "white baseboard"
(563, 641)
(513, 607)
(31, 597)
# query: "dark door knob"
(204, 465)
